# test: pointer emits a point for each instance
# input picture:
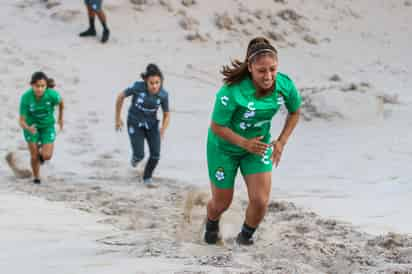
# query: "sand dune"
(349, 159)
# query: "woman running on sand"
(94, 7)
(239, 135)
(142, 123)
(37, 120)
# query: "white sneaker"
(149, 183)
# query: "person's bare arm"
(118, 111)
(165, 123)
(278, 145)
(60, 115)
(23, 124)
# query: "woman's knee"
(219, 207)
(47, 156)
(259, 204)
(34, 157)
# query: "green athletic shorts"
(223, 166)
(42, 136)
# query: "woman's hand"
(32, 130)
(119, 124)
(162, 132)
(255, 146)
(61, 124)
(277, 152)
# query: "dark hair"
(152, 70)
(239, 70)
(39, 75)
(51, 83)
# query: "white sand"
(350, 162)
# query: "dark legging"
(137, 134)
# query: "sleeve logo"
(224, 100)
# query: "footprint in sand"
(82, 127)
(15, 62)
(65, 15)
(92, 117)
(191, 228)
(18, 171)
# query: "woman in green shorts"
(239, 135)
(37, 120)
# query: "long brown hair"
(238, 70)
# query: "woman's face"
(263, 70)
(39, 87)
(153, 84)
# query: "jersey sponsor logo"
(251, 106)
(244, 125)
(249, 114)
(224, 100)
(261, 123)
(250, 111)
(142, 108)
(220, 174)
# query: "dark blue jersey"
(144, 106)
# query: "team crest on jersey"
(220, 174)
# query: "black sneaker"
(105, 36)
(37, 181)
(241, 240)
(89, 32)
(212, 237)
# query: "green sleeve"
(293, 99)
(224, 107)
(23, 106)
(56, 97)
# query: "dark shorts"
(95, 5)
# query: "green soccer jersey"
(39, 112)
(237, 108)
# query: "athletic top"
(237, 108)
(144, 106)
(39, 112)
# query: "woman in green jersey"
(37, 120)
(239, 135)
